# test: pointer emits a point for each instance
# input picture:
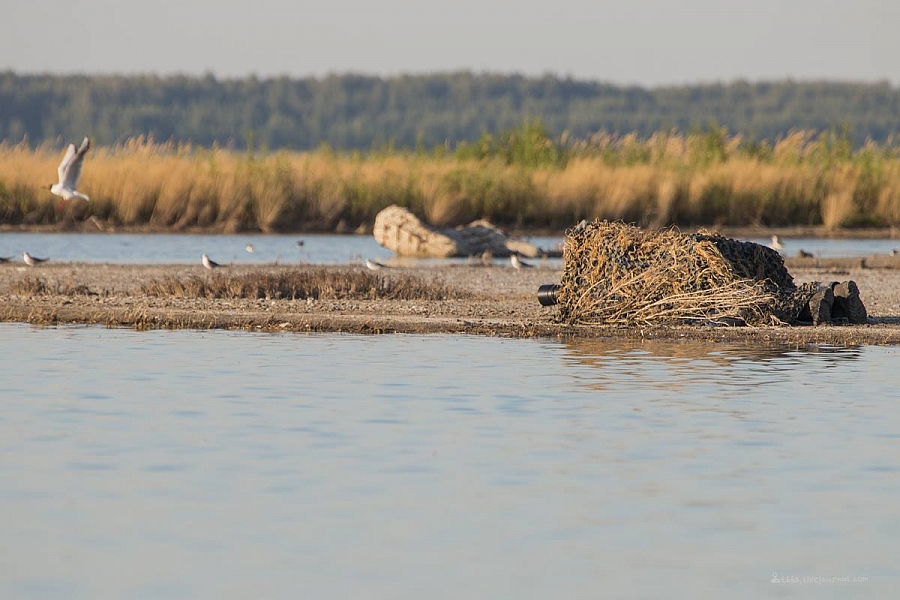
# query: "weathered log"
(400, 231)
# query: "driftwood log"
(402, 232)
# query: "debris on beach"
(618, 274)
(400, 231)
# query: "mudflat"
(486, 300)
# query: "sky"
(644, 42)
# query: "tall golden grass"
(708, 178)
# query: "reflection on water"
(673, 364)
(216, 464)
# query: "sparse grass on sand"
(485, 301)
(702, 178)
(37, 286)
(315, 283)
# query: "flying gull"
(69, 172)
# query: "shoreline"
(491, 301)
(743, 232)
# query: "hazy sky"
(648, 42)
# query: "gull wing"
(64, 165)
(73, 167)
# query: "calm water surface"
(183, 248)
(235, 465)
(186, 248)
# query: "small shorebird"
(5, 259)
(299, 243)
(32, 260)
(374, 265)
(209, 264)
(895, 251)
(518, 263)
(776, 244)
(69, 172)
(801, 253)
(249, 248)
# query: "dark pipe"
(547, 294)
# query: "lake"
(186, 248)
(186, 464)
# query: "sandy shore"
(498, 301)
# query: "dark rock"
(847, 303)
(792, 305)
(820, 305)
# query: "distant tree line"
(354, 112)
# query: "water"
(182, 248)
(186, 248)
(831, 248)
(234, 465)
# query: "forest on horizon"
(406, 112)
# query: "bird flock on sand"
(69, 174)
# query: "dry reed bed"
(709, 178)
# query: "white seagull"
(518, 263)
(209, 264)
(374, 265)
(776, 244)
(32, 260)
(249, 248)
(69, 172)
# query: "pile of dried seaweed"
(617, 274)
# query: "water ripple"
(356, 466)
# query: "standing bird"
(776, 244)
(32, 260)
(801, 253)
(69, 172)
(249, 248)
(209, 264)
(374, 265)
(5, 259)
(518, 263)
